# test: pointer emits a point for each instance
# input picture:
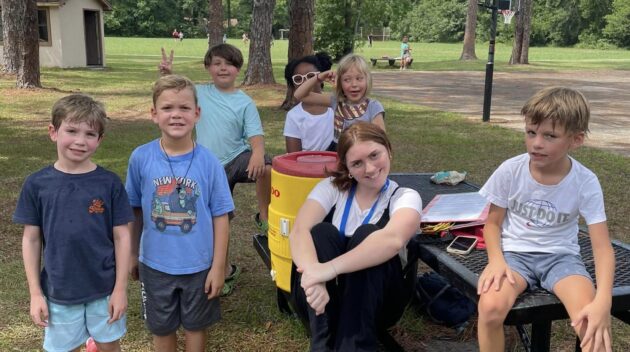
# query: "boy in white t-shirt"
(531, 232)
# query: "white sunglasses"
(299, 79)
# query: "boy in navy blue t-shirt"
(77, 213)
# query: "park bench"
(391, 60)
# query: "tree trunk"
(259, 69)
(522, 31)
(468, 52)
(215, 22)
(302, 21)
(12, 11)
(229, 17)
(28, 68)
(348, 44)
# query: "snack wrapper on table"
(448, 177)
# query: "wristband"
(333, 267)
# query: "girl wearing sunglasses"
(308, 126)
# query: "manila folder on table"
(456, 207)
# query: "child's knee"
(492, 311)
(113, 346)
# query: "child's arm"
(293, 144)
(122, 250)
(597, 313)
(256, 165)
(497, 267)
(31, 253)
(216, 276)
(135, 233)
(303, 250)
(304, 92)
(379, 121)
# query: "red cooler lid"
(305, 164)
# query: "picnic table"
(538, 308)
(391, 60)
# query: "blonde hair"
(563, 106)
(176, 82)
(356, 133)
(77, 108)
(345, 64)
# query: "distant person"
(245, 38)
(349, 245)
(352, 84)
(308, 126)
(370, 40)
(230, 127)
(75, 216)
(181, 201)
(531, 233)
(181, 36)
(224, 38)
(405, 53)
(175, 34)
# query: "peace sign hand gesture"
(165, 67)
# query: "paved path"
(462, 92)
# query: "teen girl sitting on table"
(350, 257)
(352, 83)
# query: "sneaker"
(261, 225)
(230, 280)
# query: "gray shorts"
(169, 301)
(236, 169)
(544, 270)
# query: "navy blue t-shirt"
(76, 214)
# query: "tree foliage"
(618, 23)
(437, 20)
(334, 14)
(341, 25)
(156, 18)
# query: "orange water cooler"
(293, 176)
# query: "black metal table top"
(463, 270)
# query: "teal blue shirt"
(404, 49)
(227, 122)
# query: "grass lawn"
(424, 140)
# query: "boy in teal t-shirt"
(230, 127)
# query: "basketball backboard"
(505, 4)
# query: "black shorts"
(236, 169)
(169, 301)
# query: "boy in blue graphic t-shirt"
(76, 213)
(181, 201)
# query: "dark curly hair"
(321, 61)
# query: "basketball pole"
(487, 92)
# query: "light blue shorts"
(544, 270)
(69, 326)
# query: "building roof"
(106, 5)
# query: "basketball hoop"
(507, 16)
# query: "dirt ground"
(462, 92)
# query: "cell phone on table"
(462, 245)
